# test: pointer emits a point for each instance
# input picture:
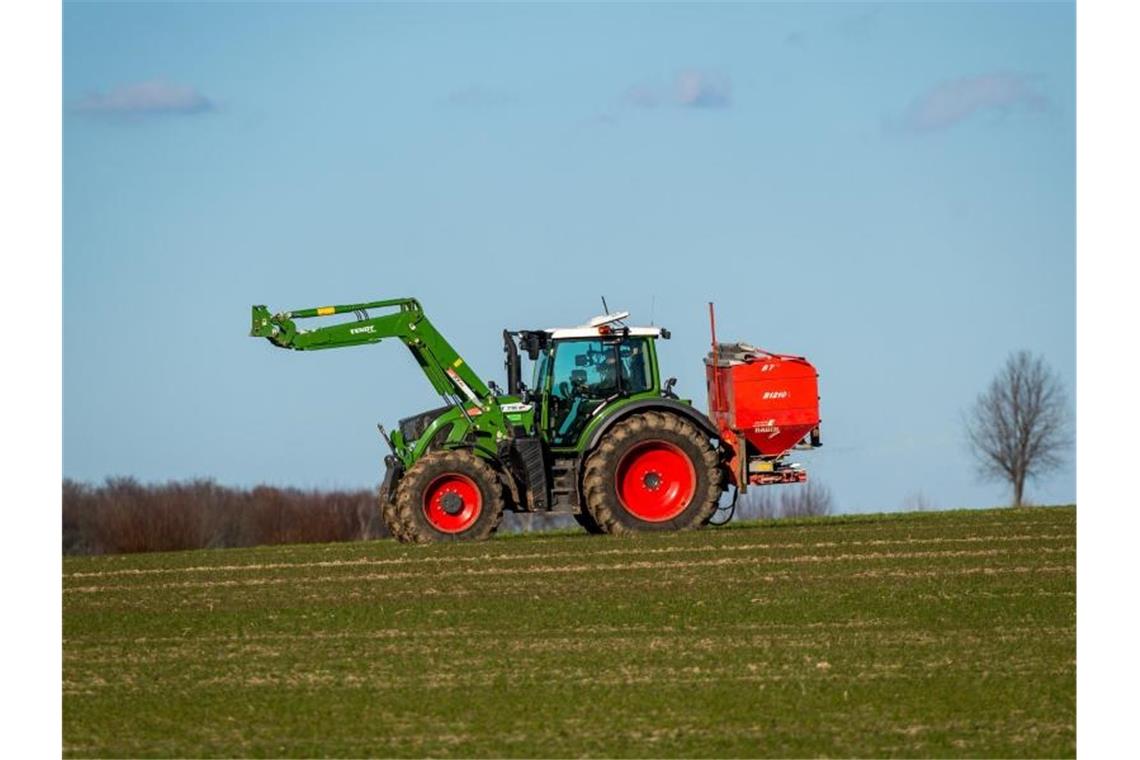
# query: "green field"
(945, 634)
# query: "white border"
(31, 385)
(1108, 207)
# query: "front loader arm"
(448, 373)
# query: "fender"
(664, 404)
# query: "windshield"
(584, 368)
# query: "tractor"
(595, 434)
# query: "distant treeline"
(123, 516)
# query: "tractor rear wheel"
(586, 520)
(449, 495)
(653, 471)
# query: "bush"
(123, 516)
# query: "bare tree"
(809, 500)
(769, 502)
(917, 501)
(760, 503)
(1018, 428)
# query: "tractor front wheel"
(653, 471)
(449, 495)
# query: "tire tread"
(401, 515)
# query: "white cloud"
(147, 98)
(949, 103)
(702, 89)
(691, 88)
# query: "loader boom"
(445, 369)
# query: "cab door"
(584, 375)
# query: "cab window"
(635, 372)
(586, 374)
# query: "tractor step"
(564, 486)
(533, 461)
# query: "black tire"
(391, 518)
(584, 519)
(421, 513)
(691, 489)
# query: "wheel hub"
(652, 480)
(452, 503)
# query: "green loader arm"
(448, 373)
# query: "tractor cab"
(579, 371)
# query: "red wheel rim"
(655, 481)
(452, 503)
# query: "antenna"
(652, 306)
(605, 309)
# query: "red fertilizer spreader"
(765, 405)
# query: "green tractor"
(595, 435)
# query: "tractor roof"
(603, 324)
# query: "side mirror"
(668, 390)
(532, 343)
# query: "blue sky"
(888, 190)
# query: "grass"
(933, 634)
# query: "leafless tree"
(123, 515)
(758, 503)
(809, 500)
(768, 502)
(916, 501)
(1018, 429)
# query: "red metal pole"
(716, 360)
